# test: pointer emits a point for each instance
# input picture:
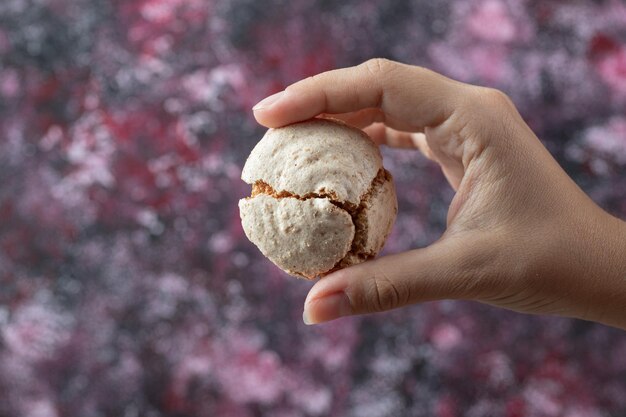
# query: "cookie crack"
(356, 212)
(261, 187)
(360, 224)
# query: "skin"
(520, 234)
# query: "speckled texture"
(376, 217)
(127, 285)
(304, 238)
(314, 157)
(330, 160)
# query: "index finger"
(409, 96)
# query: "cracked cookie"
(321, 199)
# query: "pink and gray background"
(127, 286)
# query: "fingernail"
(306, 319)
(326, 308)
(268, 101)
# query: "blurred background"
(127, 286)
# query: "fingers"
(360, 118)
(453, 268)
(384, 135)
(410, 97)
(372, 121)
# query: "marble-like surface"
(127, 286)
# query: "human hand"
(520, 233)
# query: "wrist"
(575, 266)
(607, 273)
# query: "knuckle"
(311, 80)
(494, 97)
(378, 66)
(383, 293)
(493, 112)
(315, 79)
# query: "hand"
(520, 233)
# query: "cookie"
(321, 199)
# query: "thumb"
(450, 268)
